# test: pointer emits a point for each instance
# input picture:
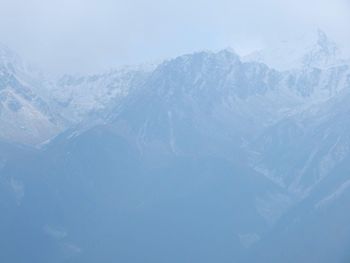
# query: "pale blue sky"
(94, 35)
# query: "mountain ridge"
(206, 157)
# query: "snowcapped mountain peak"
(228, 50)
(229, 53)
(322, 54)
(325, 43)
(5, 51)
(11, 63)
(323, 39)
(25, 117)
(197, 60)
(9, 60)
(315, 50)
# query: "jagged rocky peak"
(25, 117)
(227, 55)
(325, 43)
(199, 64)
(210, 76)
(6, 53)
(13, 66)
(9, 60)
(324, 53)
(12, 63)
(310, 50)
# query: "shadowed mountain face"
(98, 197)
(204, 158)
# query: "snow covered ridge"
(25, 117)
(306, 51)
(286, 79)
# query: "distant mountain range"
(207, 157)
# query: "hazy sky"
(94, 35)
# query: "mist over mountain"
(205, 157)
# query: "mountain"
(25, 117)
(97, 196)
(316, 229)
(307, 51)
(35, 108)
(82, 97)
(206, 157)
